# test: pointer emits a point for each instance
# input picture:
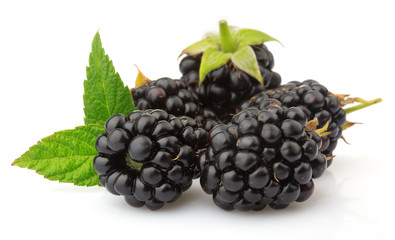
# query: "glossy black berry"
(150, 156)
(116, 121)
(306, 190)
(318, 165)
(124, 183)
(246, 161)
(221, 140)
(281, 171)
(232, 181)
(168, 94)
(259, 178)
(151, 175)
(310, 149)
(291, 151)
(102, 145)
(270, 134)
(224, 88)
(209, 179)
(225, 159)
(263, 157)
(118, 139)
(315, 101)
(140, 148)
(297, 115)
(250, 143)
(292, 129)
(289, 193)
(303, 172)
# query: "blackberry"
(168, 94)
(226, 84)
(173, 96)
(148, 157)
(315, 101)
(263, 157)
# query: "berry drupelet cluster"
(168, 94)
(172, 96)
(224, 88)
(263, 157)
(148, 157)
(315, 101)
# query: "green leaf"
(212, 59)
(245, 37)
(104, 91)
(66, 156)
(244, 58)
(201, 46)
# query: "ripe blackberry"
(148, 157)
(315, 101)
(224, 88)
(226, 84)
(263, 157)
(168, 94)
(173, 96)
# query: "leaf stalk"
(363, 104)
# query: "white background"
(44, 49)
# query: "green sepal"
(141, 79)
(245, 37)
(212, 59)
(211, 39)
(236, 43)
(244, 59)
(66, 156)
(201, 46)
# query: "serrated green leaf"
(104, 91)
(66, 156)
(244, 58)
(212, 59)
(245, 37)
(201, 46)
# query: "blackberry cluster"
(168, 94)
(173, 96)
(315, 101)
(148, 157)
(224, 88)
(263, 157)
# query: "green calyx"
(231, 44)
(133, 164)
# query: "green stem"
(227, 43)
(364, 104)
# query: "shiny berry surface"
(224, 88)
(264, 156)
(315, 101)
(150, 156)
